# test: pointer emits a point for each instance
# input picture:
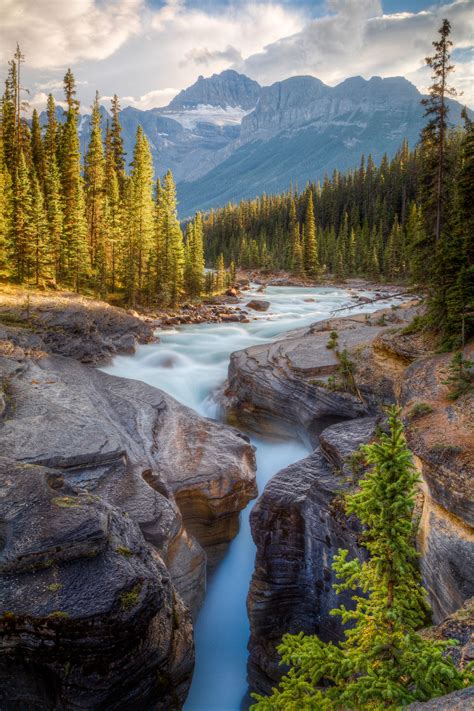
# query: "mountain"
(226, 137)
(226, 89)
(302, 129)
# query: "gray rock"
(462, 700)
(138, 448)
(89, 616)
(298, 524)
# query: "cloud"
(134, 49)
(55, 33)
(203, 56)
(150, 100)
(355, 37)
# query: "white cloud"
(355, 37)
(150, 100)
(133, 49)
(55, 33)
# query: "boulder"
(298, 524)
(284, 384)
(89, 615)
(258, 305)
(138, 448)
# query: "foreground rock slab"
(71, 325)
(115, 498)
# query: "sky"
(148, 50)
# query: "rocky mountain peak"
(229, 88)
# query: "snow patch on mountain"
(206, 113)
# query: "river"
(189, 363)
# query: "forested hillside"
(378, 222)
(95, 227)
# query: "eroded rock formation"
(298, 525)
(90, 617)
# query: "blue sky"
(147, 50)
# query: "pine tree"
(311, 260)
(141, 214)
(5, 211)
(220, 274)
(9, 118)
(20, 227)
(52, 189)
(37, 152)
(173, 241)
(114, 209)
(437, 109)
(73, 253)
(117, 142)
(95, 193)
(194, 276)
(42, 258)
(382, 663)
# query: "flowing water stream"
(189, 363)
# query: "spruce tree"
(5, 212)
(117, 142)
(37, 152)
(174, 246)
(42, 258)
(220, 274)
(382, 663)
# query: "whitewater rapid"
(190, 363)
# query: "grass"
(332, 342)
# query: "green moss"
(54, 587)
(72, 502)
(67, 502)
(420, 409)
(58, 615)
(129, 599)
(122, 550)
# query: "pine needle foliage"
(382, 663)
